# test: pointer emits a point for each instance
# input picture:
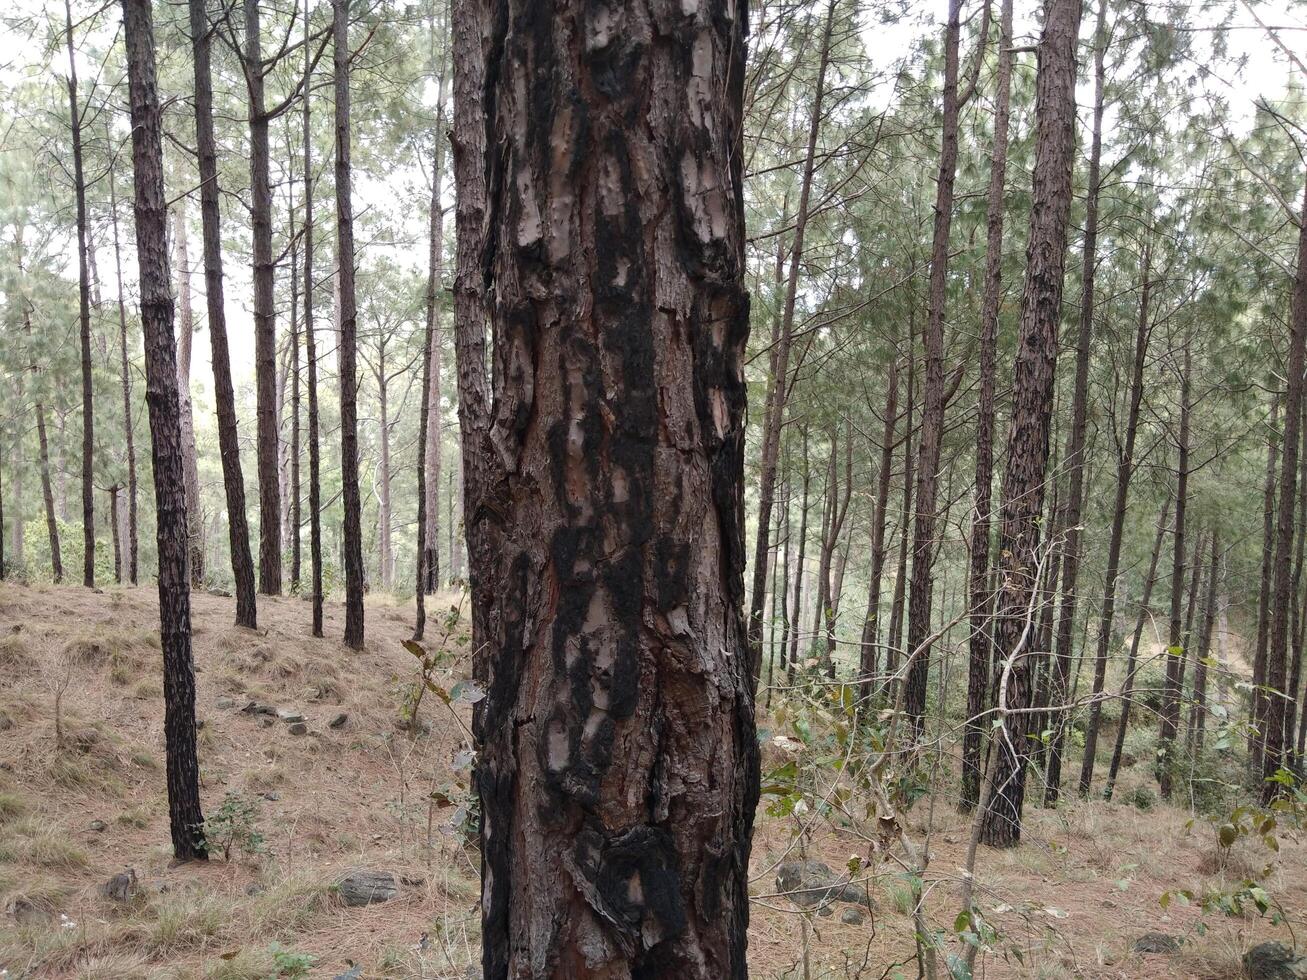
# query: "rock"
(99, 826)
(298, 728)
(254, 889)
(225, 704)
(288, 716)
(259, 708)
(199, 724)
(851, 917)
(811, 883)
(1156, 942)
(338, 721)
(30, 913)
(825, 911)
(1273, 961)
(367, 887)
(120, 887)
(266, 721)
(272, 797)
(220, 593)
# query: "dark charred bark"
(84, 314)
(1276, 742)
(126, 378)
(161, 398)
(242, 562)
(1032, 397)
(980, 587)
(349, 448)
(1132, 658)
(1175, 653)
(617, 769)
(1125, 468)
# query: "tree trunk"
(84, 315)
(1074, 464)
(265, 316)
(310, 349)
(125, 375)
(349, 448)
(778, 381)
(385, 544)
(1032, 396)
(295, 486)
(797, 613)
(870, 659)
(1258, 700)
(894, 644)
(932, 414)
(1125, 468)
(186, 818)
(186, 331)
(979, 584)
(1274, 757)
(617, 769)
(1128, 686)
(1297, 623)
(1170, 713)
(1198, 711)
(242, 563)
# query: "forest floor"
(82, 668)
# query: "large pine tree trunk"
(979, 586)
(265, 315)
(161, 398)
(84, 314)
(349, 438)
(1170, 712)
(1125, 468)
(126, 381)
(1074, 465)
(617, 768)
(1274, 719)
(1032, 404)
(186, 331)
(310, 348)
(778, 380)
(242, 562)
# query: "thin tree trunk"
(799, 567)
(42, 440)
(349, 450)
(870, 659)
(1198, 710)
(242, 563)
(310, 349)
(84, 314)
(1125, 468)
(1258, 701)
(979, 585)
(894, 645)
(190, 468)
(1032, 395)
(125, 374)
(1274, 757)
(1175, 644)
(1074, 464)
(296, 516)
(385, 544)
(778, 382)
(1297, 623)
(265, 316)
(185, 816)
(1128, 686)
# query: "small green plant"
(233, 827)
(289, 963)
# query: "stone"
(851, 916)
(811, 883)
(288, 716)
(30, 913)
(225, 704)
(98, 826)
(259, 708)
(121, 886)
(338, 721)
(254, 889)
(1156, 942)
(272, 796)
(298, 728)
(266, 721)
(1273, 961)
(367, 887)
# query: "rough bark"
(84, 313)
(242, 562)
(778, 380)
(1170, 712)
(161, 398)
(296, 489)
(894, 639)
(186, 332)
(310, 348)
(617, 769)
(1128, 685)
(1274, 718)
(349, 448)
(126, 380)
(1032, 396)
(1125, 468)
(1074, 463)
(979, 585)
(1258, 701)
